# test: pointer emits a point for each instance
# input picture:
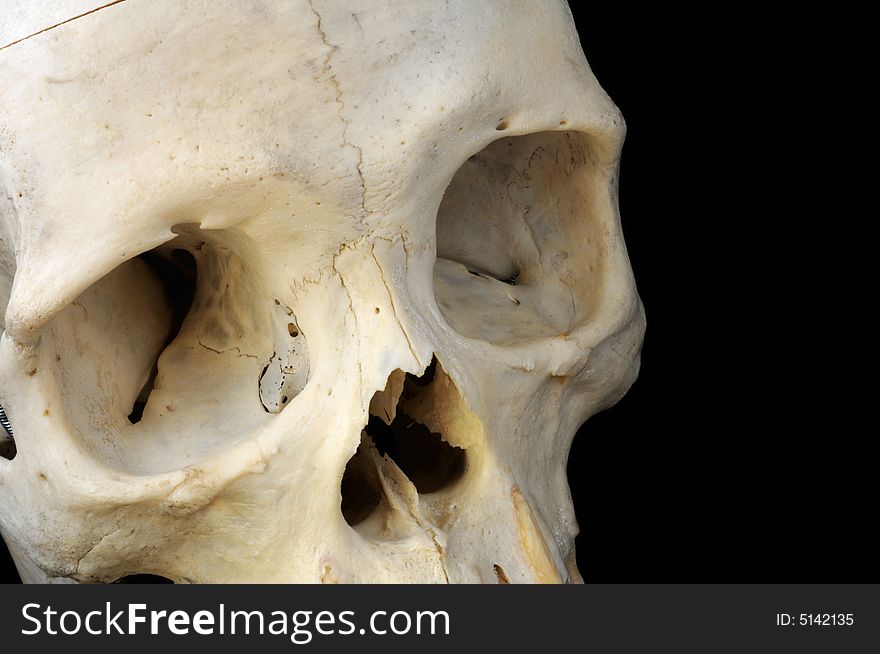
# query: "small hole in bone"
(7, 441)
(178, 274)
(143, 579)
(285, 374)
(502, 125)
(563, 123)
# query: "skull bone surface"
(303, 291)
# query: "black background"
(739, 454)
(734, 457)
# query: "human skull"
(303, 291)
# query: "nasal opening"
(416, 433)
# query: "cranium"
(303, 291)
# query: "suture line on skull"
(63, 22)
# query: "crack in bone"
(63, 22)
(353, 314)
(393, 307)
(230, 349)
(91, 548)
(340, 104)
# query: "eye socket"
(176, 355)
(520, 238)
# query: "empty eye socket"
(520, 238)
(177, 354)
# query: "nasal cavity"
(405, 427)
(429, 462)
